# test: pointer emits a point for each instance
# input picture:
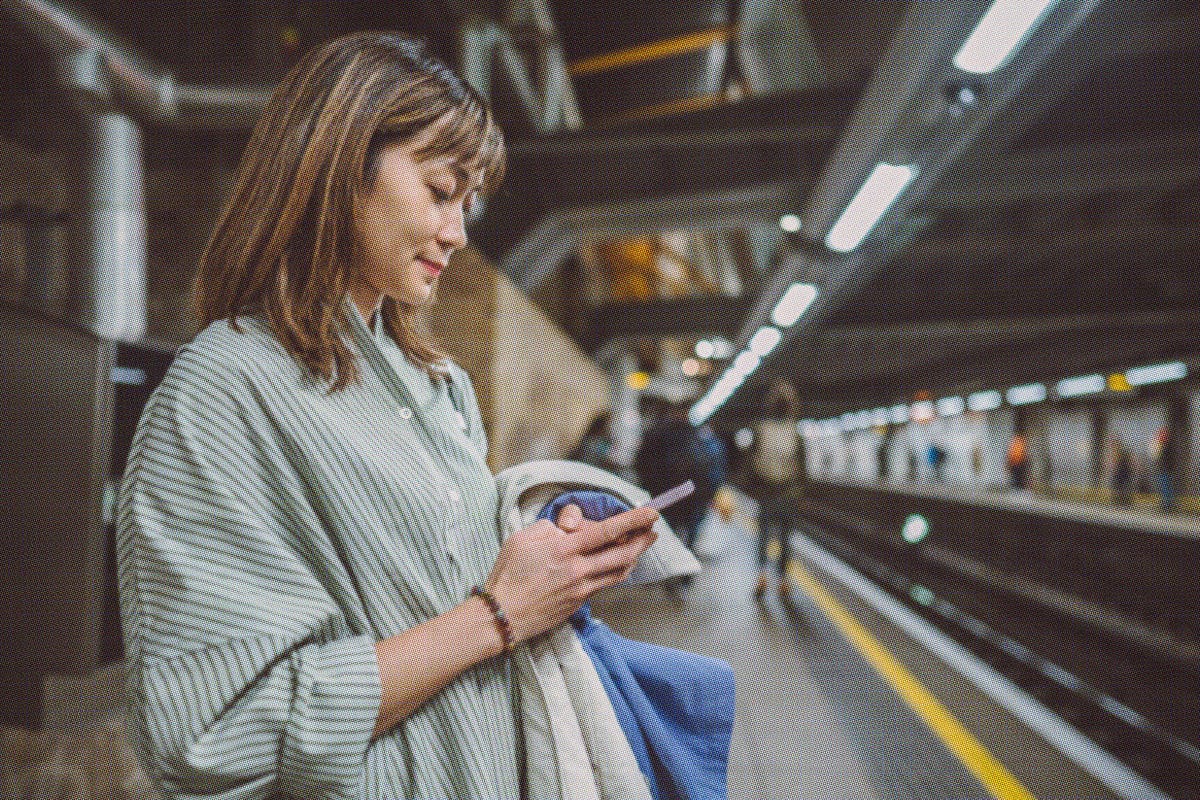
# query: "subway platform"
(844, 693)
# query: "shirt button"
(406, 413)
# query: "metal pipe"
(106, 253)
(120, 77)
(113, 88)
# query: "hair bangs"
(468, 134)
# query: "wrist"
(496, 619)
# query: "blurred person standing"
(777, 477)
(1163, 457)
(673, 450)
(1017, 462)
(1121, 471)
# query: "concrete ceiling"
(1053, 228)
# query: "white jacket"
(574, 747)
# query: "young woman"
(313, 591)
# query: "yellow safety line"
(983, 765)
(651, 51)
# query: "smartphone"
(671, 496)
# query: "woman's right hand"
(545, 572)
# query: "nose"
(453, 233)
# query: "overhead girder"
(1135, 164)
(904, 118)
(658, 175)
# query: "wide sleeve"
(244, 678)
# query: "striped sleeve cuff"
(335, 707)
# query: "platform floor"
(817, 719)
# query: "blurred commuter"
(936, 459)
(673, 450)
(1122, 471)
(315, 599)
(1017, 462)
(883, 453)
(1163, 458)
(777, 478)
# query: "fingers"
(620, 556)
(611, 530)
(570, 517)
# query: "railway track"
(1139, 701)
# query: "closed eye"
(439, 194)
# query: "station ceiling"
(1052, 228)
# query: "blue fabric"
(675, 707)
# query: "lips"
(432, 266)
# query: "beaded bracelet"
(502, 622)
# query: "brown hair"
(284, 243)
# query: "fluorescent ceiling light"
(921, 411)
(722, 347)
(1084, 384)
(1025, 394)
(764, 340)
(1156, 373)
(705, 349)
(1001, 30)
(790, 223)
(746, 362)
(874, 197)
(950, 406)
(795, 301)
(984, 401)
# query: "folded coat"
(575, 746)
(676, 708)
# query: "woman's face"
(409, 225)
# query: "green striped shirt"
(268, 535)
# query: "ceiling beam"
(700, 315)
(898, 120)
(1136, 165)
(543, 246)
(1109, 243)
(648, 177)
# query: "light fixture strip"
(795, 301)
(1076, 387)
(869, 204)
(1001, 31)
(1156, 373)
